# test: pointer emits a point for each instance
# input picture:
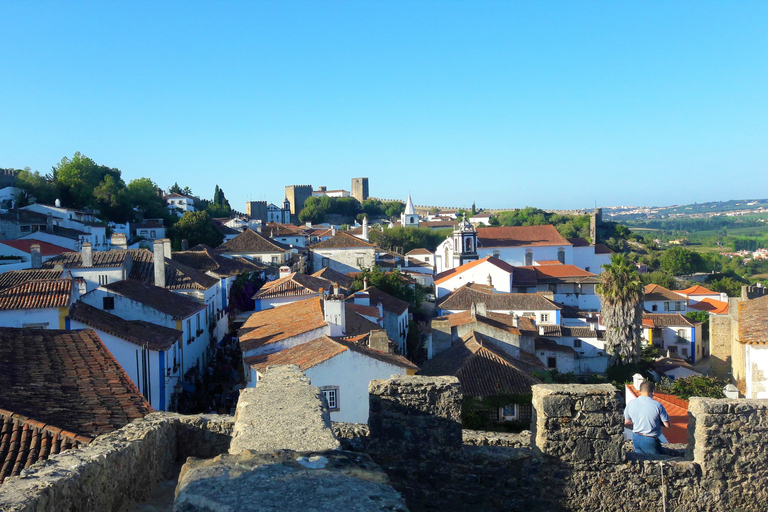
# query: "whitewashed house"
(343, 253)
(660, 300)
(530, 305)
(39, 304)
(674, 335)
(257, 248)
(149, 353)
(179, 204)
(341, 369)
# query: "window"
(257, 259)
(107, 303)
(35, 326)
(684, 352)
(586, 268)
(673, 351)
(496, 254)
(324, 262)
(468, 245)
(274, 260)
(576, 343)
(655, 307)
(552, 362)
(360, 262)
(666, 306)
(528, 257)
(509, 412)
(530, 314)
(197, 321)
(544, 317)
(331, 394)
(153, 234)
(103, 279)
(426, 259)
(561, 255)
(25, 229)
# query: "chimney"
(285, 271)
(378, 340)
(335, 317)
(637, 379)
(478, 309)
(185, 245)
(35, 258)
(365, 283)
(336, 289)
(333, 231)
(490, 281)
(119, 241)
(49, 223)
(362, 299)
(87, 254)
(365, 228)
(441, 335)
(167, 248)
(516, 320)
(159, 262)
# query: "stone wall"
(720, 339)
(115, 469)
(578, 462)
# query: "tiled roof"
(15, 277)
(572, 331)
(335, 277)
(150, 224)
(497, 320)
(419, 252)
(546, 272)
(101, 259)
(139, 332)
(293, 285)
(677, 409)
(482, 369)
(696, 290)
(224, 229)
(37, 295)
(667, 320)
(656, 292)
(666, 364)
(371, 311)
(177, 275)
(716, 307)
(24, 441)
(250, 241)
(272, 325)
(356, 324)
(602, 249)
(46, 249)
(342, 240)
(578, 241)
(388, 302)
(206, 260)
(549, 262)
(753, 321)
(68, 379)
(177, 195)
(465, 296)
(172, 304)
(503, 265)
(520, 236)
(275, 229)
(319, 350)
(553, 346)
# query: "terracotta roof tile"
(571, 331)
(206, 260)
(753, 321)
(696, 290)
(272, 325)
(70, 380)
(465, 296)
(497, 320)
(553, 346)
(335, 277)
(482, 369)
(713, 306)
(14, 277)
(138, 332)
(667, 320)
(341, 240)
(37, 295)
(250, 241)
(176, 306)
(520, 236)
(388, 302)
(293, 285)
(420, 252)
(654, 292)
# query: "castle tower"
(594, 222)
(257, 210)
(360, 189)
(409, 218)
(464, 244)
(297, 195)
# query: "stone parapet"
(727, 437)
(578, 422)
(329, 481)
(414, 415)
(283, 412)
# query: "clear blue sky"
(549, 104)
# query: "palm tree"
(621, 295)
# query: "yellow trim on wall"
(63, 312)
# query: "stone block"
(286, 480)
(283, 412)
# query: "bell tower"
(464, 244)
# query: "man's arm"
(664, 417)
(628, 423)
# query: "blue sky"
(507, 104)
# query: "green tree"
(143, 194)
(111, 199)
(695, 385)
(76, 178)
(661, 278)
(678, 261)
(621, 296)
(35, 186)
(197, 228)
(392, 282)
(727, 285)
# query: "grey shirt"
(647, 416)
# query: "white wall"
(565, 362)
(51, 317)
(757, 371)
(516, 255)
(351, 372)
(585, 257)
(288, 342)
(344, 260)
(666, 306)
(501, 279)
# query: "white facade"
(178, 204)
(276, 258)
(194, 342)
(586, 258)
(501, 279)
(563, 362)
(666, 306)
(676, 341)
(756, 358)
(39, 318)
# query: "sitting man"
(645, 416)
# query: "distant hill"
(695, 210)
